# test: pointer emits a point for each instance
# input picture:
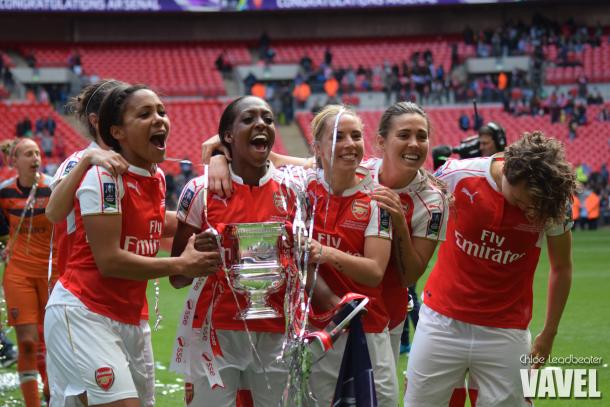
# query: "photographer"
(490, 140)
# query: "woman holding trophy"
(231, 332)
(350, 243)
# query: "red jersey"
(425, 209)
(64, 230)
(139, 198)
(29, 251)
(351, 218)
(485, 269)
(270, 201)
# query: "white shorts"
(148, 395)
(324, 374)
(88, 352)
(395, 335)
(445, 350)
(239, 369)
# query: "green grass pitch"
(584, 329)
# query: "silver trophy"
(258, 253)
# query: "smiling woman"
(260, 194)
(96, 339)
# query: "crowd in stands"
(43, 131)
(518, 38)
(591, 206)
(7, 82)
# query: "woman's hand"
(316, 252)
(389, 201)
(213, 144)
(110, 160)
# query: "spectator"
(24, 127)
(264, 42)
(186, 174)
(222, 64)
(40, 126)
(589, 206)
(51, 125)
(328, 57)
(249, 81)
(331, 87)
(170, 192)
(595, 98)
(572, 127)
(301, 93)
(74, 62)
(259, 90)
(603, 172)
(464, 122)
(46, 143)
(306, 63)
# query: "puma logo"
(469, 194)
(218, 198)
(134, 186)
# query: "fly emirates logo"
(145, 247)
(489, 247)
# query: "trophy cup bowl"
(255, 265)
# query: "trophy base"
(258, 313)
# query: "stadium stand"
(595, 62)
(172, 69)
(12, 113)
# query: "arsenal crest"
(360, 209)
(189, 393)
(104, 377)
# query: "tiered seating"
(194, 121)
(595, 63)
(172, 69)
(591, 144)
(369, 52)
(11, 114)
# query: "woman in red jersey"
(93, 325)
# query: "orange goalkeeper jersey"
(29, 251)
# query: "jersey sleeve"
(99, 193)
(380, 224)
(445, 171)
(64, 169)
(430, 216)
(191, 203)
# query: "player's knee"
(28, 347)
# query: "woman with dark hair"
(416, 201)
(247, 129)
(60, 208)
(93, 322)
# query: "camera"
(468, 148)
